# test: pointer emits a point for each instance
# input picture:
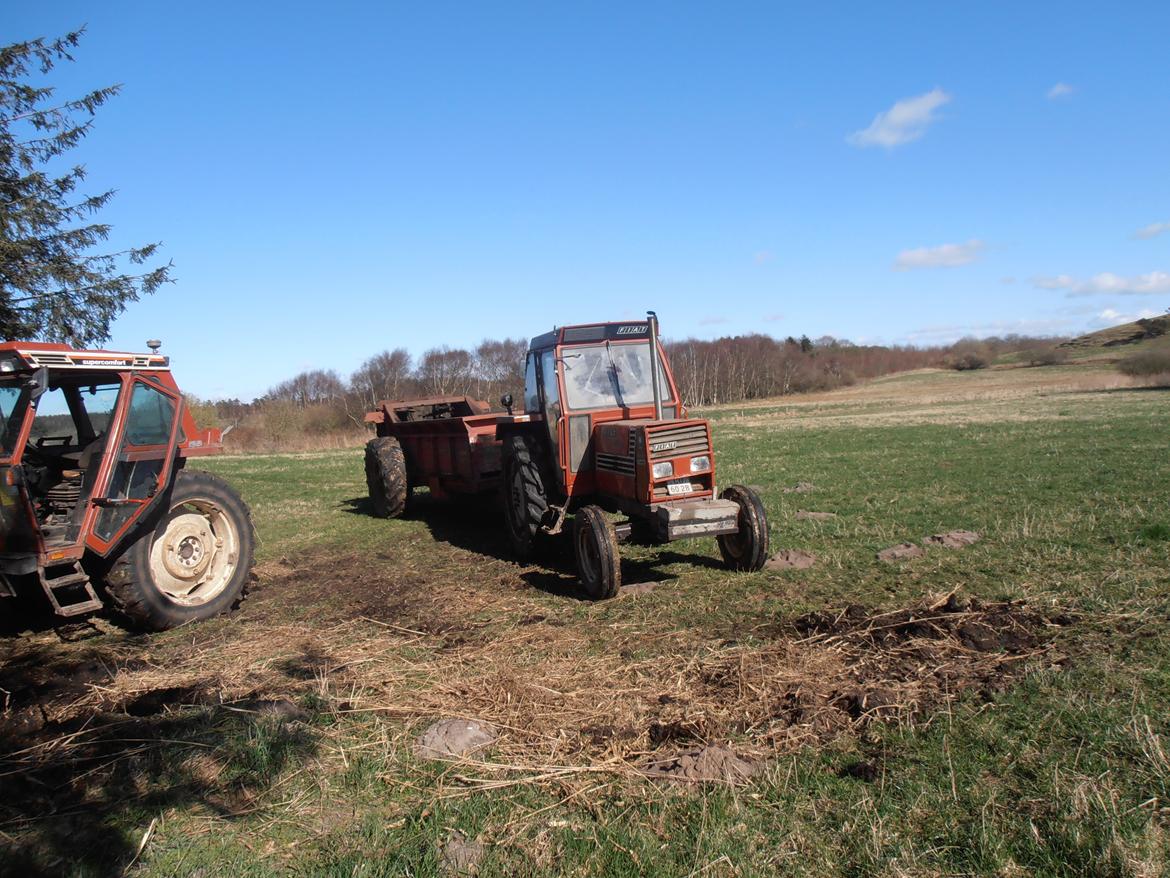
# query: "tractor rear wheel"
(747, 549)
(194, 563)
(595, 544)
(386, 477)
(525, 495)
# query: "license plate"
(681, 486)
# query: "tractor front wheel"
(747, 549)
(525, 497)
(193, 564)
(386, 477)
(595, 544)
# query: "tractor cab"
(593, 389)
(90, 444)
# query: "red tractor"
(603, 431)
(95, 499)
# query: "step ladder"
(70, 592)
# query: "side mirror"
(38, 382)
(506, 402)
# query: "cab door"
(137, 462)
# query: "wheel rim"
(197, 555)
(736, 544)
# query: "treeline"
(322, 409)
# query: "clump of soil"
(901, 552)
(791, 559)
(705, 765)
(454, 739)
(460, 855)
(953, 539)
(802, 515)
(801, 488)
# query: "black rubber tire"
(386, 477)
(595, 545)
(524, 494)
(130, 584)
(746, 550)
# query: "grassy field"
(999, 709)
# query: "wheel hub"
(188, 547)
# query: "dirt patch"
(953, 539)
(454, 739)
(802, 515)
(460, 855)
(704, 765)
(901, 552)
(800, 488)
(791, 559)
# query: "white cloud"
(762, 256)
(942, 256)
(773, 318)
(1156, 283)
(1060, 90)
(1113, 317)
(1152, 230)
(712, 320)
(907, 120)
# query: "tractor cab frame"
(92, 445)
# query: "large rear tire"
(386, 477)
(746, 550)
(595, 544)
(525, 495)
(194, 563)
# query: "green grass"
(1062, 773)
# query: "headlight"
(701, 464)
(7, 365)
(663, 470)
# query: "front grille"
(615, 463)
(675, 441)
(618, 463)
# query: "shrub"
(1045, 357)
(1146, 364)
(966, 361)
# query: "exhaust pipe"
(653, 321)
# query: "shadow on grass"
(476, 525)
(80, 786)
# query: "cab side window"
(531, 393)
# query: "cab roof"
(633, 330)
(29, 355)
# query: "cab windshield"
(13, 402)
(608, 375)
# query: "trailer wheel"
(747, 549)
(386, 477)
(524, 495)
(194, 563)
(595, 544)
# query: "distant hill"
(1125, 334)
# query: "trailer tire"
(595, 545)
(525, 496)
(386, 477)
(191, 562)
(746, 550)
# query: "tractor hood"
(655, 461)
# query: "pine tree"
(53, 286)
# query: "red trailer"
(603, 431)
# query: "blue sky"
(332, 180)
